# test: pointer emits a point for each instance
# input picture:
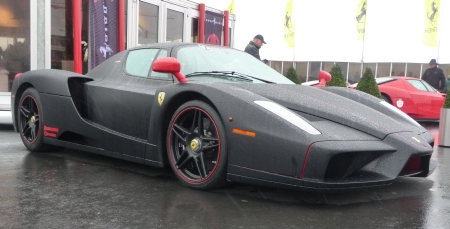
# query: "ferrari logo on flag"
(289, 29)
(430, 37)
(231, 7)
(361, 19)
(161, 98)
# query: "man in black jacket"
(254, 46)
(434, 76)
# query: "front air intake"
(345, 164)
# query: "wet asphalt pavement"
(74, 189)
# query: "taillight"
(17, 75)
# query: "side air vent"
(76, 88)
(72, 137)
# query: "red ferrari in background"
(413, 96)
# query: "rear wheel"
(29, 119)
(196, 146)
(386, 98)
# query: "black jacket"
(435, 77)
(253, 50)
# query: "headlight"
(288, 115)
(398, 111)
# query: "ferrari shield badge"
(161, 98)
(400, 103)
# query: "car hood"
(329, 106)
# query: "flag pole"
(439, 32)
(293, 48)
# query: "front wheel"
(196, 146)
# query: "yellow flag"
(361, 19)
(430, 36)
(231, 7)
(289, 29)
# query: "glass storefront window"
(314, 68)
(276, 65)
(413, 70)
(326, 66)
(174, 26)
(302, 70)
(424, 68)
(398, 69)
(14, 41)
(126, 24)
(383, 69)
(344, 67)
(372, 66)
(286, 66)
(85, 34)
(229, 37)
(445, 68)
(354, 73)
(194, 30)
(61, 35)
(148, 23)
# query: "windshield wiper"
(229, 73)
(219, 73)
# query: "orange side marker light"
(244, 132)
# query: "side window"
(429, 87)
(139, 61)
(162, 53)
(417, 84)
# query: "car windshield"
(217, 63)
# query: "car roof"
(387, 79)
(403, 77)
(170, 45)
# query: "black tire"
(197, 157)
(386, 98)
(29, 117)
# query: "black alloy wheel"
(196, 146)
(29, 117)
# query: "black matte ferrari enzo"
(219, 115)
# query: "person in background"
(253, 46)
(434, 76)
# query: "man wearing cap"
(254, 46)
(434, 76)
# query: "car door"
(398, 94)
(121, 104)
(427, 99)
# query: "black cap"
(259, 36)
(433, 61)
